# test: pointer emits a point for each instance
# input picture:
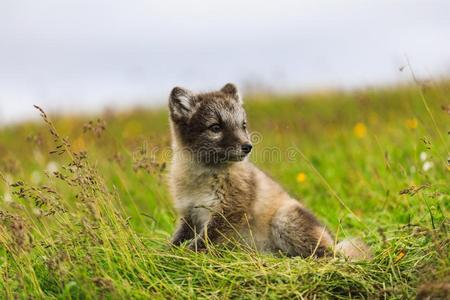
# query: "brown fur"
(219, 195)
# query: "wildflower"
(411, 123)
(423, 156)
(52, 167)
(427, 165)
(400, 255)
(360, 130)
(301, 177)
(7, 198)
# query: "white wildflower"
(7, 198)
(423, 156)
(427, 165)
(52, 167)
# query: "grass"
(86, 214)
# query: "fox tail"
(354, 249)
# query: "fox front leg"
(185, 231)
(218, 227)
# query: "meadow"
(85, 211)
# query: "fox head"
(211, 126)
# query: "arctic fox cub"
(220, 196)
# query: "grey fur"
(222, 197)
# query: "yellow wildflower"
(360, 130)
(400, 255)
(411, 123)
(301, 177)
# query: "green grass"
(100, 226)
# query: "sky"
(85, 55)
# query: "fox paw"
(197, 246)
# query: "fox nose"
(246, 148)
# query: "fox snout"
(246, 148)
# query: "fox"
(221, 197)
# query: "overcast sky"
(87, 54)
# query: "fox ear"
(181, 103)
(232, 91)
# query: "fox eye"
(215, 128)
(244, 125)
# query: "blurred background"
(78, 55)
